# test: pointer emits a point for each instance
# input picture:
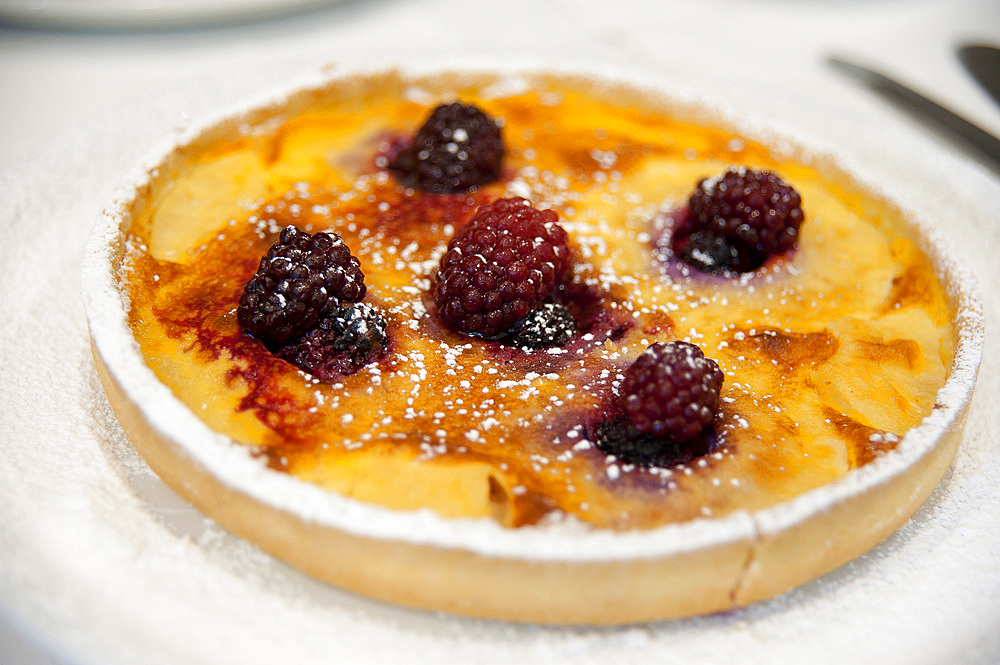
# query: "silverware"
(980, 143)
(983, 62)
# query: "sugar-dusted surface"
(133, 541)
(855, 299)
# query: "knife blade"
(983, 62)
(976, 140)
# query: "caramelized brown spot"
(532, 506)
(520, 507)
(414, 218)
(499, 499)
(903, 352)
(658, 323)
(585, 156)
(271, 148)
(864, 443)
(789, 349)
(914, 286)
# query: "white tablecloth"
(154, 582)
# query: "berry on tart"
(737, 220)
(304, 304)
(300, 279)
(457, 149)
(500, 268)
(340, 344)
(669, 397)
(552, 324)
(671, 390)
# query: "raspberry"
(342, 343)
(457, 149)
(671, 390)
(301, 278)
(549, 325)
(500, 267)
(744, 216)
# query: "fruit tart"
(532, 346)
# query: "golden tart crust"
(832, 353)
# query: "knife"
(983, 62)
(982, 144)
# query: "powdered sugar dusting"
(232, 465)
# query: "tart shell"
(560, 573)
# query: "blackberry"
(671, 390)
(713, 253)
(457, 149)
(619, 438)
(300, 279)
(743, 217)
(343, 342)
(500, 267)
(549, 325)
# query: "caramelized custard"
(830, 352)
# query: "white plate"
(106, 565)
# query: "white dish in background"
(120, 14)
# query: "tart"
(469, 468)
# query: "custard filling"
(831, 352)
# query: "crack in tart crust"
(831, 353)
